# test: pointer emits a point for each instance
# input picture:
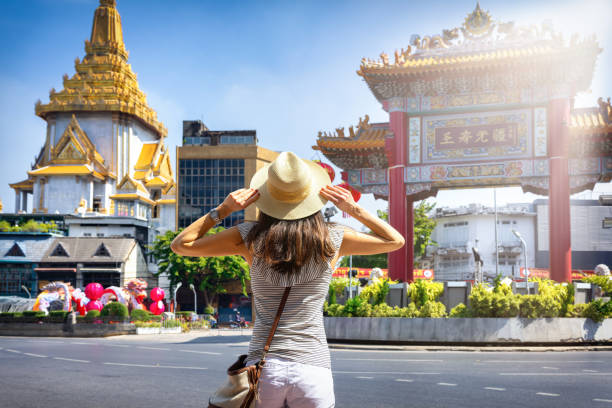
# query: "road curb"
(381, 347)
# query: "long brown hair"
(288, 245)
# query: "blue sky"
(286, 69)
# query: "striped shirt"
(300, 335)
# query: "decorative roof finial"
(108, 3)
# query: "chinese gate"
(484, 104)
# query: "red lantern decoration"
(94, 305)
(330, 170)
(157, 294)
(356, 194)
(94, 291)
(157, 308)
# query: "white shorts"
(285, 383)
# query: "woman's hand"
(238, 200)
(342, 198)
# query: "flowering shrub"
(337, 285)
(376, 292)
(423, 290)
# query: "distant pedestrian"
(290, 245)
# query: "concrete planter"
(66, 329)
(158, 330)
(467, 330)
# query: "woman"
(290, 246)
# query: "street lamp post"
(195, 298)
(524, 245)
(174, 296)
(27, 291)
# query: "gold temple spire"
(106, 31)
(104, 81)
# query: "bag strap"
(279, 312)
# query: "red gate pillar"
(560, 250)
(399, 266)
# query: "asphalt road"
(182, 370)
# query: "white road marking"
(80, 342)
(364, 378)
(556, 374)
(389, 359)
(403, 380)
(495, 388)
(13, 351)
(35, 355)
(201, 352)
(602, 400)
(546, 394)
(153, 348)
(117, 345)
(550, 368)
(590, 371)
(156, 366)
(71, 359)
(536, 361)
(448, 384)
(382, 372)
(46, 341)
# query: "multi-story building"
(458, 230)
(212, 164)
(591, 232)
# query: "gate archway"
(480, 105)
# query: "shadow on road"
(218, 340)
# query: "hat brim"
(291, 211)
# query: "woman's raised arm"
(384, 237)
(193, 241)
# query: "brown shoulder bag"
(240, 389)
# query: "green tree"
(423, 228)
(209, 274)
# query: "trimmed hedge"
(139, 315)
(115, 309)
(92, 315)
(57, 316)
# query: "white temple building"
(104, 152)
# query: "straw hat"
(289, 187)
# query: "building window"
(87, 234)
(100, 234)
(15, 251)
(96, 204)
(124, 209)
(59, 250)
(105, 279)
(455, 234)
(12, 277)
(102, 251)
(204, 184)
(229, 139)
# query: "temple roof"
(590, 134)
(67, 170)
(363, 148)
(482, 43)
(592, 120)
(103, 81)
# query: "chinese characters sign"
(503, 134)
(482, 136)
